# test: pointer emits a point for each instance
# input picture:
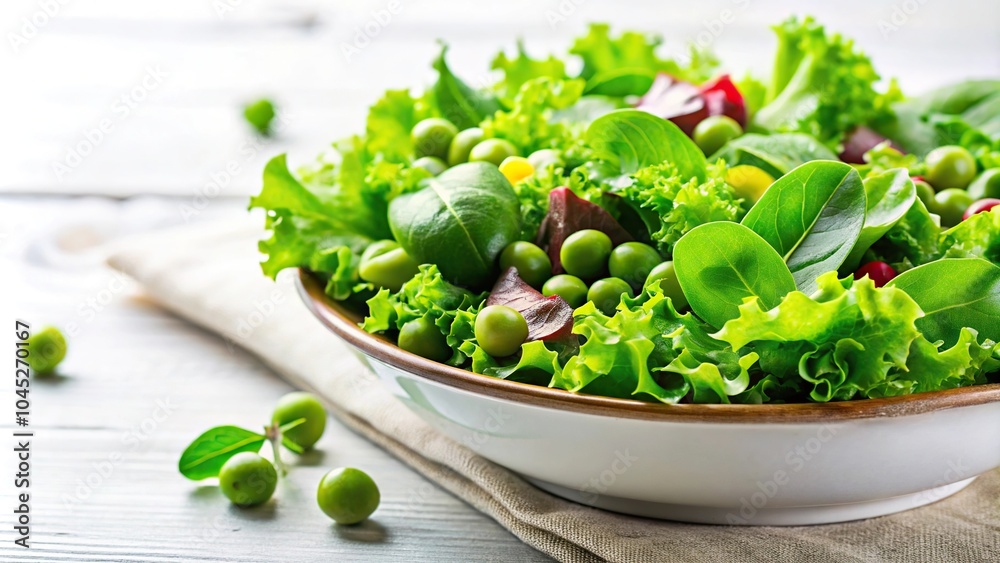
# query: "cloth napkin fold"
(209, 275)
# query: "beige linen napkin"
(209, 275)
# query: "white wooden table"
(104, 478)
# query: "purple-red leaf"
(861, 140)
(548, 318)
(569, 214)
(687, 105)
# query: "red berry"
(981, 206)
(879, 272)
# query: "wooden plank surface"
(137, 386)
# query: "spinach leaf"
(812, 216)
(461, 222)
(620, 82)
(955, 293)
(630, 139)
(721, 264)
(890, 195)
(459, 103)
(972, 101)
(207, 454)
(774, 154)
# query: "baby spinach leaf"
(721, 264)
(461, 222)
(207, 454)
(955, 293)
(459, 103)
(889, 195)
(620, 82)
(812, 216)
(630, 139)
(774, 154)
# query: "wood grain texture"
(137, 386)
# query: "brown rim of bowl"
(344, 323)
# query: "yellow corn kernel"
(516, 168)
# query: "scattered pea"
(247, 479)
(347, 495)
(294, 406)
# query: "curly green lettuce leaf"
(912, 241)
(427, 295)
(648, 351)
(390, 119)
(671, 205)
(529, 124)
(843, 341)
(523, 68)
(821, 85)
(636, 53)
(976, 237)
(315, 226)
(535, 363)
(966, 363)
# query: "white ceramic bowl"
(721, 464)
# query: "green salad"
(660, 230)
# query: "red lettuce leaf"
(687, 105)
(569, 214)
(548, 318)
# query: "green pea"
(386, 264)
(632, 262)
(570, 288)
(294, 406)
(607, 294)
(260, 114)
(715, 131)
(423, 338)
(494, 151)
(666, 277)
(500, 330)
(347, 495)
(433, 136)
(986, 185)
(950, 166)
(951, 204)
(46, 348)
(247, 479)
(432, 164)
(462, 145)
(585, 253)
(532, 263)
(544, 158)
(925, 192)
